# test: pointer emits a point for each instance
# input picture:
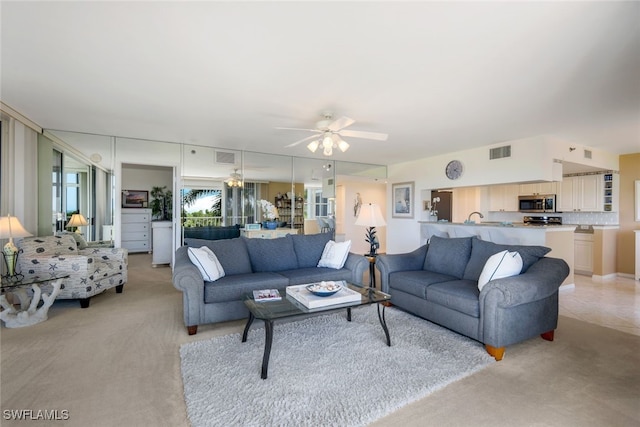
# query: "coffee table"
(287, 307)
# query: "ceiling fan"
(328, 133)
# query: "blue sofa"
(251, 264)
(212, 232)
(439, 282)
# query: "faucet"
(475, 212)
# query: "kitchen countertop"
(519, 225)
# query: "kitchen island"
(557, 237)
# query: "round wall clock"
(454, 169)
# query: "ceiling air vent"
(226, 157)
(500, 152)
(587, 154)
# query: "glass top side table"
(29, 313)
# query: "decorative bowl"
(324, 289)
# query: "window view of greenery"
(201, 207)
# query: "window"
(316, 204)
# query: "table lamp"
(10, 227)
(370, 216)
(77, 220)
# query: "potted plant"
(270, 214)
(161, 204)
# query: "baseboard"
(626, 275)
(567, 287)
(606, 277)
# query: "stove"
(542, 220)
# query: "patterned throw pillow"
(207, 263)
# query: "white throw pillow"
(502, 264)
(335, 254)
(207, 262)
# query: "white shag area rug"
(323, 371)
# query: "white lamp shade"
(77, 220)
(370, 216)
(10, 227)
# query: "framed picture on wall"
(135, 198)
(402, 194)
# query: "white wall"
(370, 192)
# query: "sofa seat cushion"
(309, 247)
(416, 282)
(233, 288)
(448, 256)
(301, 276)
(481, 251)
(460, 295)
(271, 254)
(232, 253)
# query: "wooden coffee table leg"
(268, 330)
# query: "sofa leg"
(84, 302)
(548, 335)
(119, 288)
(496, 352)
(192, 330)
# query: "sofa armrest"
(187, 278)
(540, 281)
(120, 254)
(388, 264)
(358, 264)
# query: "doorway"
(444, 205)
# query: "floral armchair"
(91, 271)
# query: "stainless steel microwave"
(537, 203)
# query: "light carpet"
(323, 370)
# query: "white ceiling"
(436, 76)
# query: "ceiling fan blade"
(366, 135)
(301, 141)
(306, 130)
(341, 123)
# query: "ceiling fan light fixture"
(343, 146)
(235, 179)
(327, 141)
(328, 150)
(313, 146)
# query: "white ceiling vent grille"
(587, 154)
(500, 152)
(225, 157)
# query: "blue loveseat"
(251, 264)
(439, 282)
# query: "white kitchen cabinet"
(583, 253)
(161, 240)
(538, 188)
(136, 229)
(503, 198)
(582, 193)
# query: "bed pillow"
(207, 263)
(500, 265)
(335, 254)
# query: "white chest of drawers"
(136, 229)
